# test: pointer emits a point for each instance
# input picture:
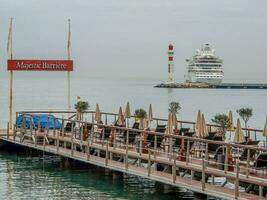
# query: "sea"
(29, 177)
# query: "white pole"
(9, 49)
(69, 45)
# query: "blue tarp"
(45, 121)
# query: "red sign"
(40, 65)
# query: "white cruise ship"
(205, 66)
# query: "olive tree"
(223, 121)
(174, 107)
(140, 113)
(245, 114)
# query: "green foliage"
(222, 120)
(140, 113)
(81, 106)
(245, 114)
(174, 107)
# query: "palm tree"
(81, 107)
(245, 114)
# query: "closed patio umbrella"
(265, 132)
(145, 123)
(239, 135)
(198, 125)
(169, 129)
(204, 130)
(150, 113)
(127, 113)
(97, 114)
(174, 120)
(230, 116)
(120, 121)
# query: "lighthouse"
(170, 63)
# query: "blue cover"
(45, 121)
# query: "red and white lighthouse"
(170, 63)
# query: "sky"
(129, 38)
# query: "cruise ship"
(205, 66)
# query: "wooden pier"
(148, 154)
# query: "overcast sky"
(129, 38)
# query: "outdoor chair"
(68, 127)
(106, 132)
(244, 154)
(132, 134)
(183, 130)
(210, 136)
(261, 161)
(151, 142)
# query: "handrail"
(132, 116)
(222, 143)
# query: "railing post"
(92, 133)
(23, 126)
(255, 135)
(93, 120)
(155, 145)
(31, 127)
(44, 142)
(260, 190)
(81, 132)
(127, 148)
(72, 134)
(57, 141)
(237, 181)
(14, 134)
(203, 174)
(106, 119)
(114, 139)
(106, 159)
(207, 152)
(187, 151)
(174, 169)
(149, 163)
(7, 130)
(88, 147)
(35, 136)
(54, 128)
(63, 129)
(141, 144)
(170, 147)
(247, 165)
(226, 159)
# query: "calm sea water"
(23, 178)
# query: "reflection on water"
(24, 177)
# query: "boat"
(205, 66)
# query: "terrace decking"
(116, 153)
